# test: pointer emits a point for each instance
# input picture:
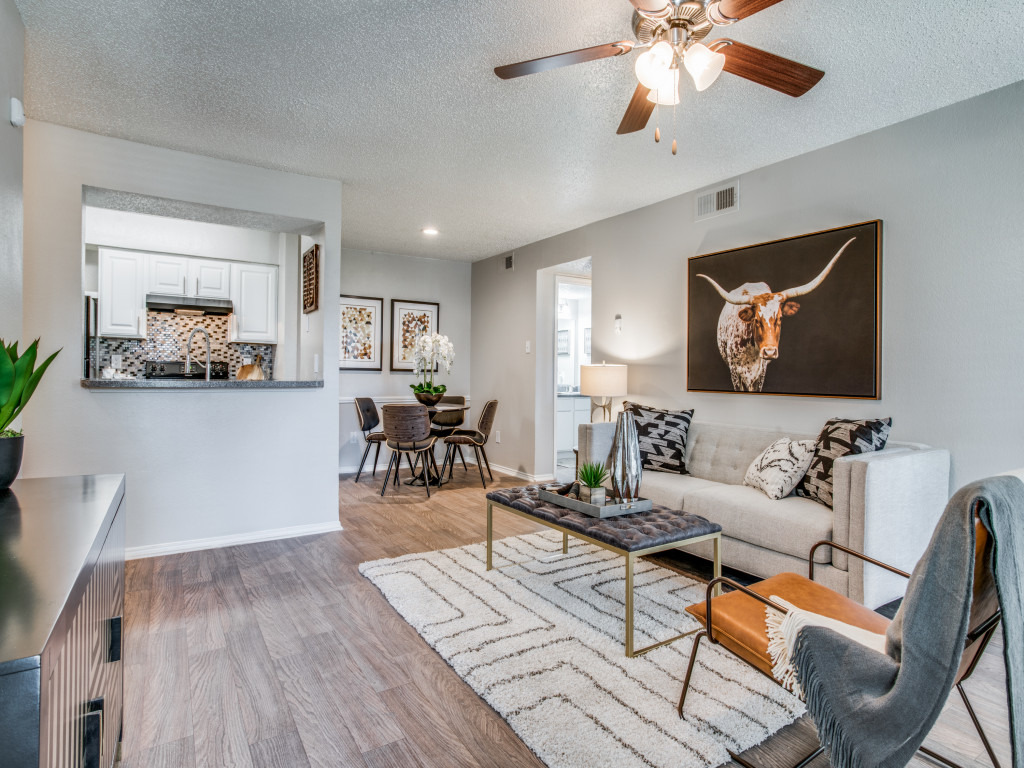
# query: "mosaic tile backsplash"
(167, 334)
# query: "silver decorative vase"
(624, 463)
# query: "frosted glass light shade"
(652, 65)
(703, 64)
(667, 91)
(603, 380)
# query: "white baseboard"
(216, 542)
(469, 460)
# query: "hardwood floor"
(281, 654)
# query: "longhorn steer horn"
(803, 290)
(725, 295)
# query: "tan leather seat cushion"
(376, 437)
(739, 618)
(406, 445)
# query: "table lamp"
(601, 383)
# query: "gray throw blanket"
(872, 709)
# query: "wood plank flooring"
(280, 654)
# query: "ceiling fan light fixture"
(703, 64)
(666, 90)
(653, 65)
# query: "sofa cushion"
(670, 490)
(838, 438)
(779, 467)
(723, 452)
(791, 525)
(662, 437)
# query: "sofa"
(886, 505)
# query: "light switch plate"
(527, 347)
(497, 436)
(246, 360)
(115, 361)
(316, 361)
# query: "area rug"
(541, 640)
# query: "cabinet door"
(564, 437)
(122, 303)
(167, 275)
(209, 279)
(254, 295)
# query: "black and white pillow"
(662, 436)
(840, 437)
(780, 467)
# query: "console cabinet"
(61, 609)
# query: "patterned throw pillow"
(780, 467)
(662, 437)
(840, 437)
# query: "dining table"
(435, 479)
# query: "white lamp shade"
(667, 92)
(603, 380)
(703, 64)
(652, 65)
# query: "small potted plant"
(19, 378)
(428, 351)
(592, 477)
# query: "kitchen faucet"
(188, 351)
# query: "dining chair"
(445, 423)
(407, 428)
(477, 438)
(366, 410)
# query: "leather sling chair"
(476, 439)
(366, 410)
(408, 433)
(737, 622)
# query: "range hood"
(160, 303)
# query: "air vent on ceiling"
(510, 261)
(718, 200)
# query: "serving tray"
(608, 510)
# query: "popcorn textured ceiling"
(398, 100)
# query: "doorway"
(571, 350)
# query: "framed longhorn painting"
(800, 316)
(361, 335)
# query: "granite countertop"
(118, 384)
(571, 394)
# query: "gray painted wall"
(12, 54)
(949, 186)
(199, 464)
(388, 276)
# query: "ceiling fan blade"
(638, 112)
(545, 63)
(651, 7)
(789, 77)
(740, 9)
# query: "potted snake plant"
(592, 477)
(19, 378)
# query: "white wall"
(12, 52)
(948, 187)
(387, 276)
(199, 464)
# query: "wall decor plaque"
(311, 279)
(361, 333)
(799, 316)
(410, 319)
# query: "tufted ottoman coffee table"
(629, 536)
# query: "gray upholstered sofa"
(886, 505)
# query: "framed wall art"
(409, 319)
(562, 342)
(361, 333)
(311, 279)
(800, 316)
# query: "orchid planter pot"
(428, 398)
(11, 451)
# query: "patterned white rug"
(542, 642)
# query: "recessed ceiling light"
(431, 231)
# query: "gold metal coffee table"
(629, 536)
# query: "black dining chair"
(445, 423)
(407, 428)
(477, 438)
(369, 419)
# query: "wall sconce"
(618, 323)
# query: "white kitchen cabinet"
(167, 275)
(580, 415)
(209, 279)
(122, 300)
(254, 296)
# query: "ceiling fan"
(672, 31)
